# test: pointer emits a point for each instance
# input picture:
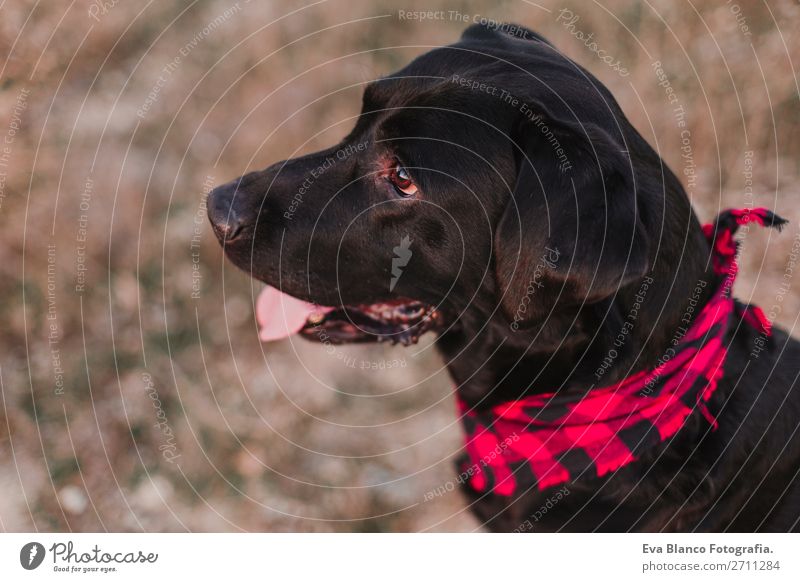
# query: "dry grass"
(284, 437)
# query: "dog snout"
(227, 218)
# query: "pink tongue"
(281, 315)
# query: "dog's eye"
(402, 182)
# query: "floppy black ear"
(572, 233)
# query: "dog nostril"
(226, 221)
(234, 229)
(228, 227)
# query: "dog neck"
(559, 435)
(578, 349)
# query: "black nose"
(228, 224)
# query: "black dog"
(534, 212)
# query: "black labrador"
(493, 192)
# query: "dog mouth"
(401, 320)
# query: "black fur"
(540, 157)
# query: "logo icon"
(31, 555)
(402, 256)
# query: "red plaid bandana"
(545, 440)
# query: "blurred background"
(135, 393)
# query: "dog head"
(493, 175)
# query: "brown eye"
(401, 180)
